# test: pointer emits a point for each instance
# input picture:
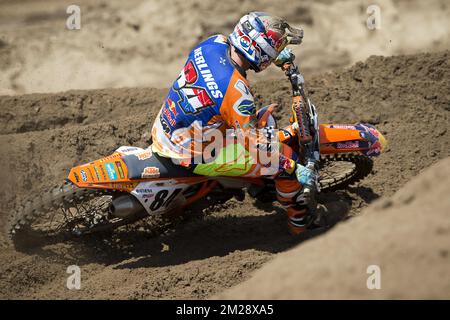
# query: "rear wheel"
(338, 171)
(66, 211)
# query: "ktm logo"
(150, 172)
(192, 98)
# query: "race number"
(161, 199)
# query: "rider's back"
(210, 92)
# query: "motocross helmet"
(260, 37)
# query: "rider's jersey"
(209, 93)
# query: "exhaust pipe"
(125, 206)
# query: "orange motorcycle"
(126, 186)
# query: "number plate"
(160, 196)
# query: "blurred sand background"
(139, 43)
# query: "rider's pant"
(287, 186)
(288, 190)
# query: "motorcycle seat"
(165, 166)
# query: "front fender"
(342, 138)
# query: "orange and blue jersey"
(209, 93)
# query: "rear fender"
(111, 172)
(342, 138)
(107, 173)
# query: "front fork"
(304, 121)
(306, 125)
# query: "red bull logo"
(172, 107)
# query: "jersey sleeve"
(238, 107)
(238, 111)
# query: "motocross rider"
(212, 92)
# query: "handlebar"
(293, 74)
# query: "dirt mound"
(141, 43)
(42, 135)
(406, 236)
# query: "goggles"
(254, 27)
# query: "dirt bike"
(122, 188)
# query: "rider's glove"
(306, 175)
(286, 55)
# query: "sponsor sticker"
(83, 175)
(288, 165)
(286, 133)
(145, 193)
(374, 150)
(125, 185)
(91, 176)
(165, 125)
(127, 149)
(172, 107)
(347, 145)
(248, 45)
(150, 172)
(245, 105)
(343, 126)
(144, 155)
(247, 108)
(102, 170)
(169, 117)
(245, 42)
(144, 190)
(97, 173)
(120, 170)
(112, 174)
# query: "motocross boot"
(302, 214)
(297, 218)
(289, 194)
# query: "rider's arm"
(238, 108)
(239, 112)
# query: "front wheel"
(338, 171)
